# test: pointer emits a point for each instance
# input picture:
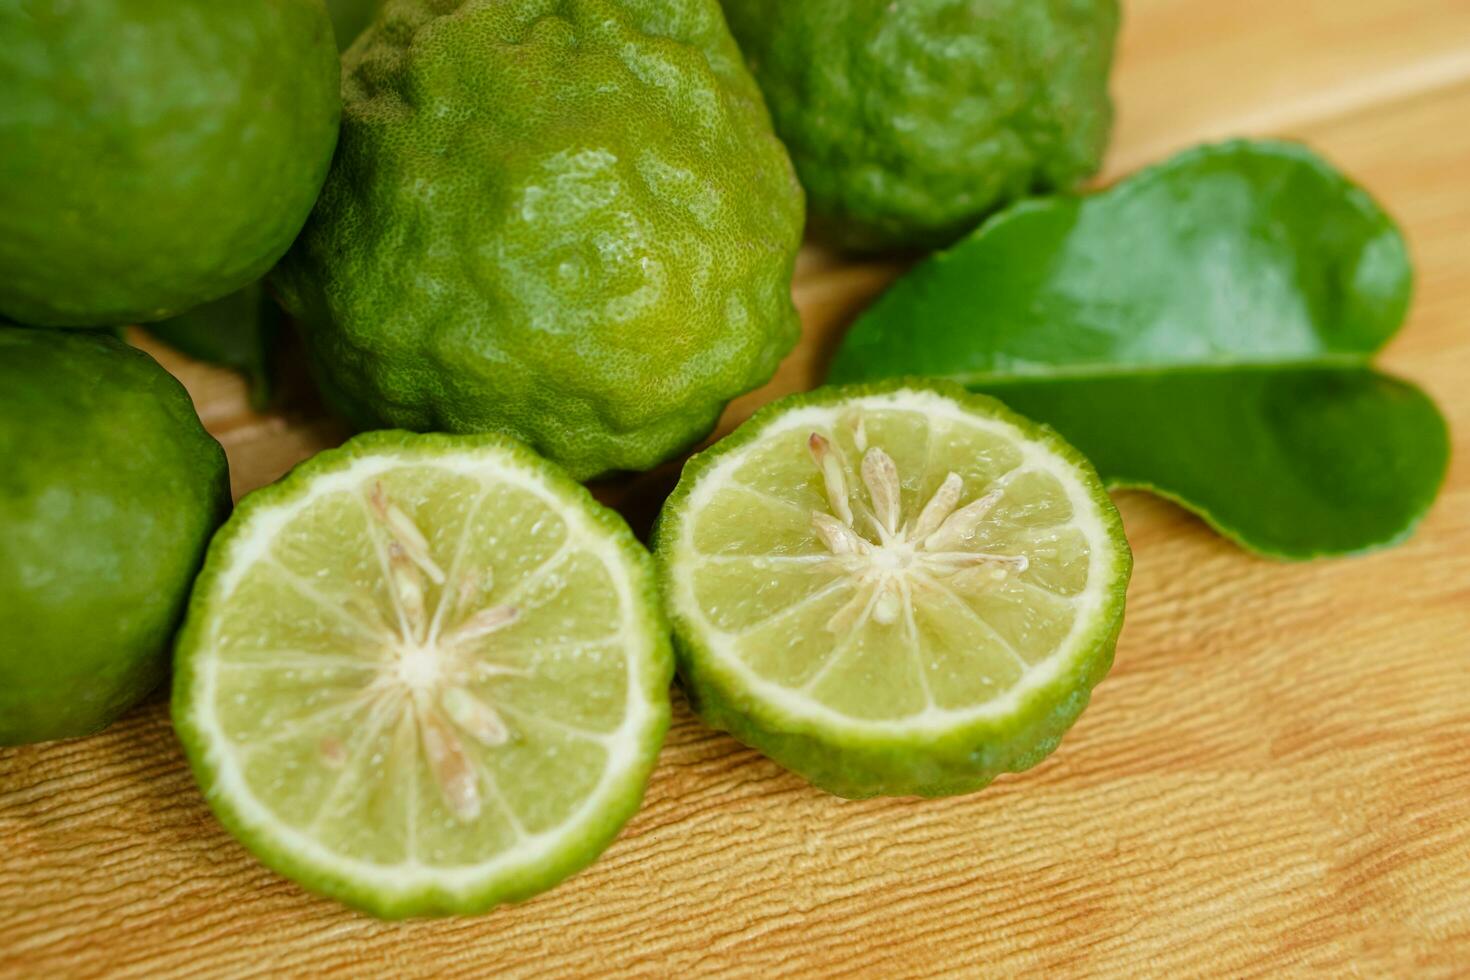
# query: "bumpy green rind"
(427, 900)
(567, 222)
(961, 760)
(109, 491)
(908, 122)
(157, 153)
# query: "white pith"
(421, 669)
(903, 556)
(888, 552)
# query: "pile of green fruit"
(528, 243)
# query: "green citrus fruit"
(349, 17)
(424, 674)
(909, 121)
(109, 491)
(897, 589)
(565, 221)
(157, 153)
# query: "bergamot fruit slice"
(896, 589)
(424, 674)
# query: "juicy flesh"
(418, 656)
(885, 562)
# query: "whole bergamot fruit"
(157, 154)
(239, 330)
(908, 122)
(567, 221)
(109, 492)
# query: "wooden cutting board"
(1274, 779)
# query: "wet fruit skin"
(908, 122)
(155, 154)
(565, 221)
(109, 492)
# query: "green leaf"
(1294, 462)
(1203, 330)
(239, 331)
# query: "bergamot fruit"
(240, 330)
(893, 589)
(349, 17)
(157, 154)
(565, 221)
(109, 491)
(910, 121)
(424, 674)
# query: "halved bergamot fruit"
(424, 674)
(895, 589)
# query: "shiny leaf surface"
(1203, 330)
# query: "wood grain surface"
(1275, 778)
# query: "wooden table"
(1274, 779)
